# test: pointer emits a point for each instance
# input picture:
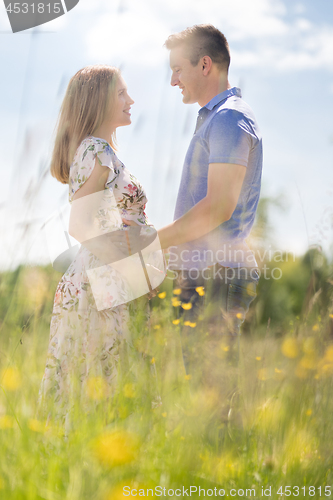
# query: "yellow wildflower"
(239, 315)
(309, 346)
(129, 391)
(162, 295)
(116, 448)
(152, 361)
(258, 358)
(164, 414)
(290, 348)
(331, 315)
(309, 362)
(177, 291)
(278, 374)
(315, 328)
(187, 306)
(157, 327)
(262, 374)
(329, 354)
(188, 377)
(36, 425)
(10, 379)
(176, 303)
(301, 371)
(200, 290)
(7, 422)
(326, 369)
(96, 388)
(308, 413)
(176, 321)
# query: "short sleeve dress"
(85, 342)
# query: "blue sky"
(282, 58)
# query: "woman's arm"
(86, 203)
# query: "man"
(218, 196)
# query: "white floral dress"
(86, 342)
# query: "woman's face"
(121, 115)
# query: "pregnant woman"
(93, 322)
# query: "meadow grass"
(279, 431)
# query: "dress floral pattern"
(86, 343)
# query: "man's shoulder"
(234, 106)
(235, 112)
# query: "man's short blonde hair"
(202, 40)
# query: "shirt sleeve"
(229, 138)
(84, 162)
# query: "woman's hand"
(130, 222)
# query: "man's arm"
(223, 189)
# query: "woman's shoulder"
(95, 145)
(90, 149)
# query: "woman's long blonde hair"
(89, 96)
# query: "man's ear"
(206, 64)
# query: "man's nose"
(174, 79)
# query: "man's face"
(187, 77)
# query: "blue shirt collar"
(222, 97)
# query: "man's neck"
(216, 86)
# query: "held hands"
(117, 245)
(128, 222)
(154, 292)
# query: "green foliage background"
(278, 434)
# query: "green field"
(276, 441)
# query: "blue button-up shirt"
(226, 132)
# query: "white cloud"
(303, 24)
(260, 32)
(299, 8)
(135, 36)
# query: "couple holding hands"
(214, 270)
